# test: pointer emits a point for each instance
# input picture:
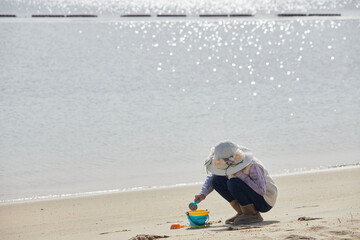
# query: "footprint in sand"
(340, 233)
(307, 218)
(316, 228)
(344, 234)
(147, 237)
(299, 237)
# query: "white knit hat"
(228, 158)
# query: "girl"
(242, 180)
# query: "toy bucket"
(197, 218)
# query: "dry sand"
(321, 205)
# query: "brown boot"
(236, 206)
(250, 215)
(231, 220)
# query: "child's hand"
(200, 197)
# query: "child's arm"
(207, 186)
(255, 179)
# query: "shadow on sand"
(228, 227)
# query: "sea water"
(111, 104)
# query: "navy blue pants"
(236, 189)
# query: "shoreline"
(54, 197)
(322, 205)
(105, 19)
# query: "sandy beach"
(319, 205)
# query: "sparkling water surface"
(189, 7)
(101, 104)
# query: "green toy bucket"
(197, 218)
